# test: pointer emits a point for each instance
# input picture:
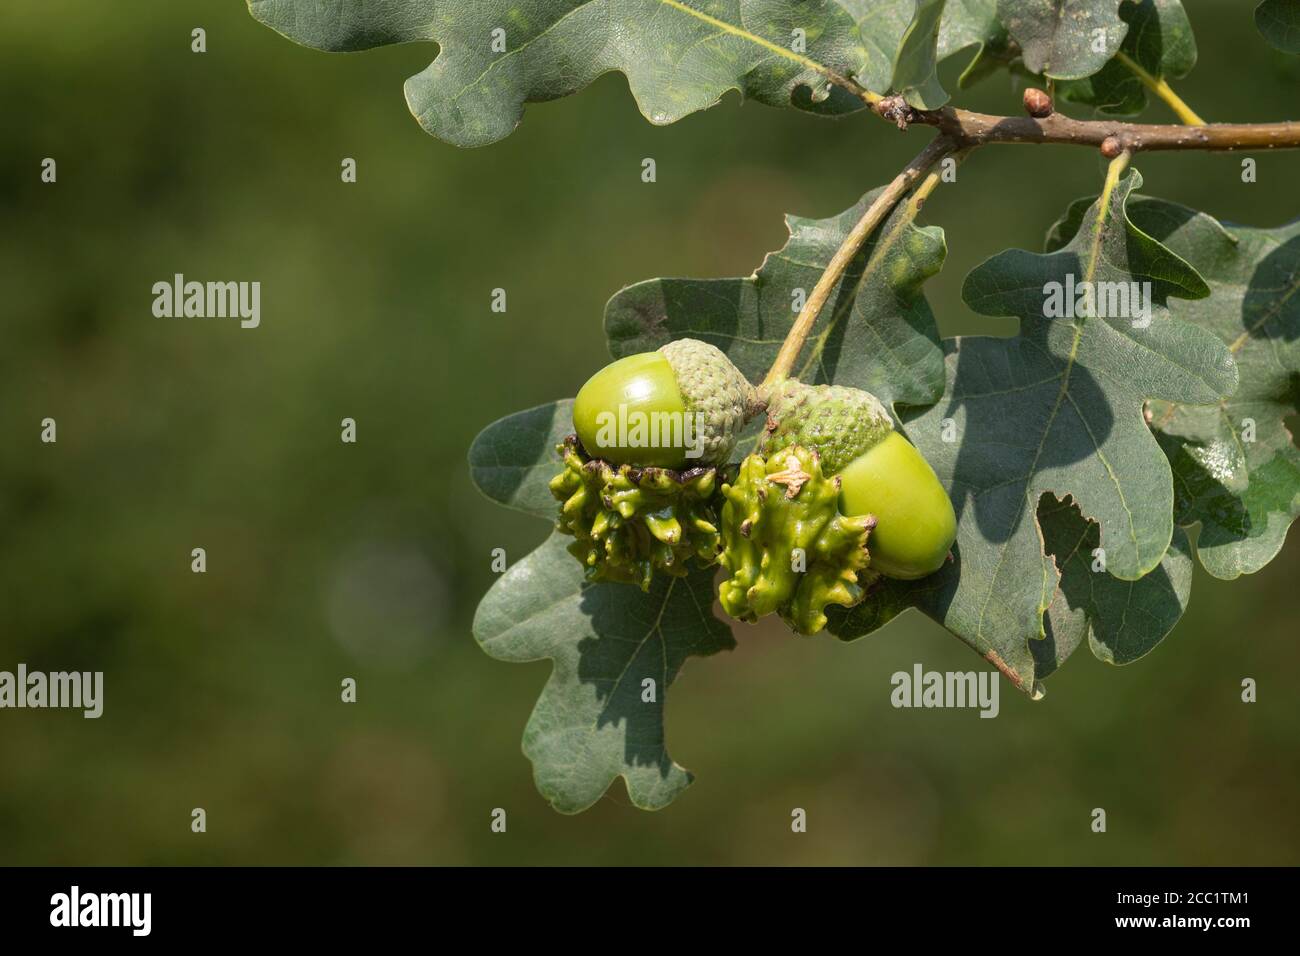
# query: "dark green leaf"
(1279, 21)
(1064, 39)
(1160, 37)
(975, 23)
(512, 460)
(597, 718)
(965, 23)
(917, 63)
(1055, 410)
(679, 56)
(1159, 40)
(881, 25)
(1245, 493)
(969, 23)
(876, 332)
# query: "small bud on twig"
(1037, 103)
(1111, 147)
(896, 110)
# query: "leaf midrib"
(768, 45)
(728, 28)
(1094, 252)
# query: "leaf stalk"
(1161, 88)
(875, 214)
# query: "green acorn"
(881, 473)
(629, 522)
(682, 406)
(786, 545)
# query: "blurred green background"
(328, 560)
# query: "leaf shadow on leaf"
(1159, 39)
(628, 650)
(979, 471)
(1277, 275)
(592, 724)
(1052, 649)
(876, 332)
(838, 309)
(1205, 485)
(1122, 620)
(649, 314)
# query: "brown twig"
(968, 129)
(962, 130)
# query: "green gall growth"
(786, 545)
(629, 522)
